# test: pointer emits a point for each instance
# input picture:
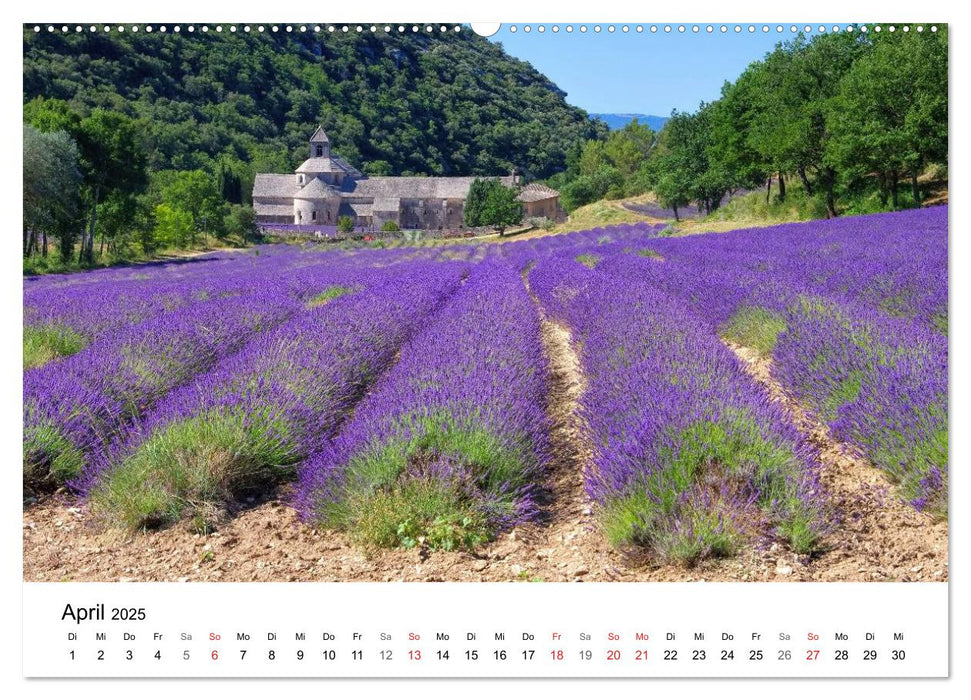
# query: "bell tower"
(319, 144)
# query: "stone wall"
(303, 210)
(542, 208)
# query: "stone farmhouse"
(326, 187)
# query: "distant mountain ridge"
(619, 121)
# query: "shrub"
(345, 224)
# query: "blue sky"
(644, 73)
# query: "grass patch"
(450, 485)
(333, 292)
(598, 214)
(420, 512)
(588, 259)
(42, 344)
(649, 253)
(754, 327)
(845, 391)
(50, 459)
(715, 484)
(196, 467)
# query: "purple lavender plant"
(244, 425)
(449, 446)
(685, 443)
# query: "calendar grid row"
(415, 631)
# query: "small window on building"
(320, 151)
(313, 215)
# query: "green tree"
(593, 158)
(670, 180)
(732, 119)
(51, 190)
(242, 222)
(173, 227)
(685, 168)
(196, 193)
(890, 114)
(345, 224)
(629, 147)
(116, 215)
(112, 161)
(791, 93)
(48, 114)
(490, 203)
(447, 103)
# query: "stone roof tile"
(414, 187)
(317, 189)
(535, 192)
(273, 185)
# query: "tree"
(112, 162)
(51, 190)
(670, 181)
(173, 227)
(345, 224)
(49, 115)
(629, 147)
(685, 170)
(791, 93)
(116, 213)
(229, 175)
(449, 103)
(890, 114)
(490, 203)
(732, 119)
(593, 158)
(195, 192)
(242, 222)
(390, 227)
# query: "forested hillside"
(445, 103)
(834, 124)
(140, 142)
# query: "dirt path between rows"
(877, 538)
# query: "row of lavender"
(65, 313)
(452, 443)
(853, 313)
(232, 374)
(690, 456)
(245, 425)
(74, 408)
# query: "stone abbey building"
(326, 187)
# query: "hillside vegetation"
(151, 141)
(835, 124)
(437, 104)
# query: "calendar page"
(546, 349)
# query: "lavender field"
(406, 396)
